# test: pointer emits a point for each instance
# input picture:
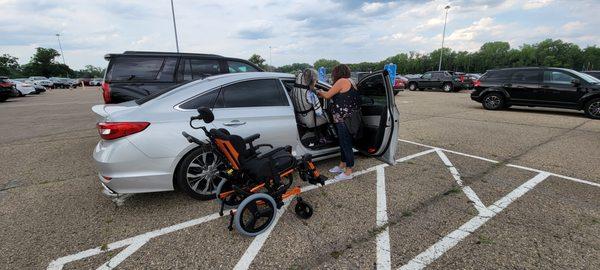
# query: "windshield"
(587, 77)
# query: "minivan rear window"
(136, 68)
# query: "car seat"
(306, 112)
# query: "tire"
(447, 87)
(249, 208)
(592, 108)
(2, 99)
(205, 165)
(412, 87)
(493, 101)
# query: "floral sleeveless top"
(345, 104)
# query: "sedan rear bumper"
(122, 168)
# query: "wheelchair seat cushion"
(260, 170)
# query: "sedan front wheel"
(199, 173)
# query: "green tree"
(42, 64)
(9, 66)
(90, 72)
(328, 64)
(293, 68)
(257, 60)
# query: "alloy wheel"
(203, 173)
(492, 101)
(594, 109)
(447, 87)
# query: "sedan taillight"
(115, 130)
(476, 83)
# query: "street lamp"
(443, 36)
(270, 58)
(174, 26)
(61, 50)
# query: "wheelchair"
(255, 184)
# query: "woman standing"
(346, 103)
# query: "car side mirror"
(206, 114)
(575, 82)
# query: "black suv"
(539, 86)
(446, 80)
(133, 75)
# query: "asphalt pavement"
(473, 189)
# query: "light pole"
(443, 36)
(61, 50)
(270, 58)
(174, 26)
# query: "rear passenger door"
(380, 118)
(257, 106)
(197, 68)
(426, 80)
(524, 85)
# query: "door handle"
(234, 123)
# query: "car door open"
(380, 118)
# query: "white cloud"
(533, 4)
(573, 26)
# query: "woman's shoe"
(343, 176)
(336, 169)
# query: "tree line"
(491, 55)
(43, 63)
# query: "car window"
(255, 93)
(427, 75)
(525, 76)
(557, 77)
(496, 75)
(202, 68)
(167, 72)
(372, 91)
(204, 100)
(235, 67)
(184, 71)
(135, 68)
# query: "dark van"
(539, 86)
(133, 74)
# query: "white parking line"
(145, 237)
(384, 261)
(258, 242)
(453, 238)
(466, 189)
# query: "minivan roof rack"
(153, 53)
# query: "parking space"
(473, 189)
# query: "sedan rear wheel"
(592, 108)
(199, 173)
(447, 87)
(412, 87)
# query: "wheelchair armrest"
(262, 145)
(251, 138)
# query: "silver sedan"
(142, 149)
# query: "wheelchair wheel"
(255, 214)
(303, 209)
(231, 200)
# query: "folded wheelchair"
(254, 183)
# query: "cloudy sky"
(297, 30)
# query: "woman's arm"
(336, 88)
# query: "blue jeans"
(345, 144)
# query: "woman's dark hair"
(340, 71)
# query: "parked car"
(7, 89)
(446, 80)
(400, 83)
(42, 81)
(133, 75)
(95, 82)
(142, 149)
(23, 88)
(543, 87)
(595, 73)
